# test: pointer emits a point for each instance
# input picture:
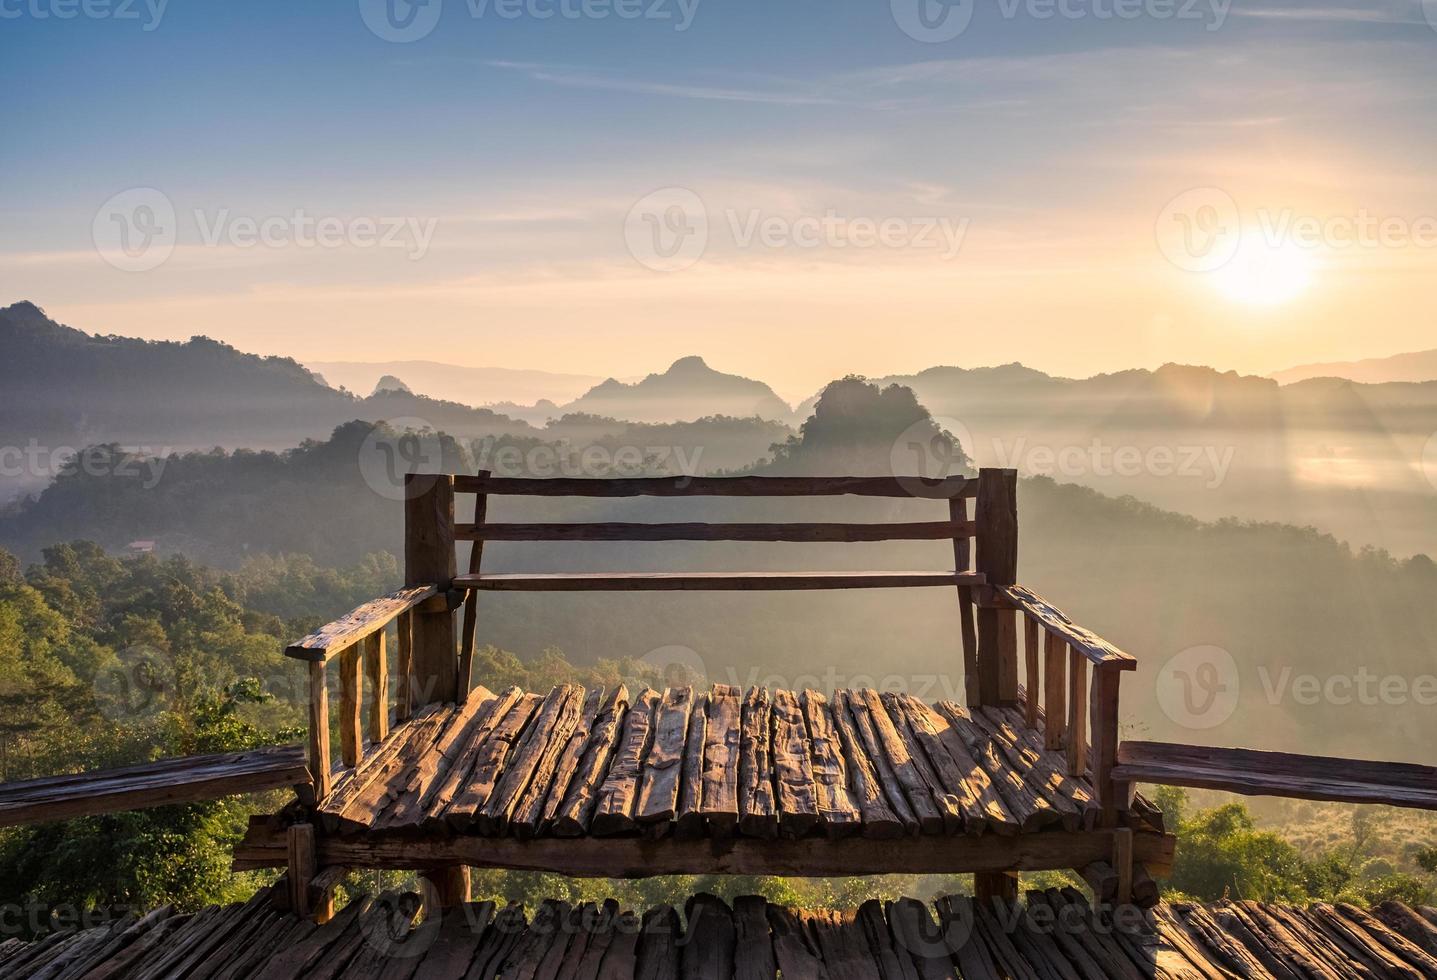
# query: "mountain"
(62, 389)
(688, 390)
(1415, 366)
(458, 383)
(390, 383)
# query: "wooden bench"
(1025, 745)
(1304, 777)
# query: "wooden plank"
(837, 811)
(641, 857)
(1031, 676)
(870, 743)
(317, 735)
(1077, 713)
(792, 770)
(794, 950)
(536, 811)
(1253, 773)
(404, 666)
(753, 949)
(1055, 690)
(1049, 770)
(477, 784)
(359, 799)
(951, 805)
(614, 807)
(712, 581)
(722, 486)
(376, 678)
(533, 759)
(301, 866)
(963, 793)
(697, 531)
(182, 780)
(658, 798)
(660, 951)
(1030, 810)
(574, 814)
(1114, 796)
(1004, 730)
(411, 794)
(455, 752)
(719, 798)
(468, 635)
(758, 815)
(967, 630)
(689, 820)
(920, 786)
(881, 819)
(709, 940)
(351, 696)
(368, 619)
(1092, 646)
(490, 760)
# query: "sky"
(794, 190)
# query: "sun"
(1265, 273)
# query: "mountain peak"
(690, 365)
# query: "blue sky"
(510, 154)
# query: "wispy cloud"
(793, 95)
(1377, 12)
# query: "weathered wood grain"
(712, 581)
(534, 757)
(881, 821)
(658, 797)
(614, 807)
(837, 812)
(792, 768)
(758, 814)
(719, 799)
(573, 815)
(370, 618)
(689, 820)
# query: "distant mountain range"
(457, 383)
(689, 389)
(1416, 366)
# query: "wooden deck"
(599, 782)
(1054, 935)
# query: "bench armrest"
(328, 641)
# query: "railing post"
(468, 635)
(962, 562)
(429, 560)
(319, 765)
(997, 559)
(1113, 796)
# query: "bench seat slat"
(801, 533)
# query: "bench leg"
(299, 842)
(1123, 865)
(446, 888)
(988, 885)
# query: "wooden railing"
(357, 642)
(1076, 714)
